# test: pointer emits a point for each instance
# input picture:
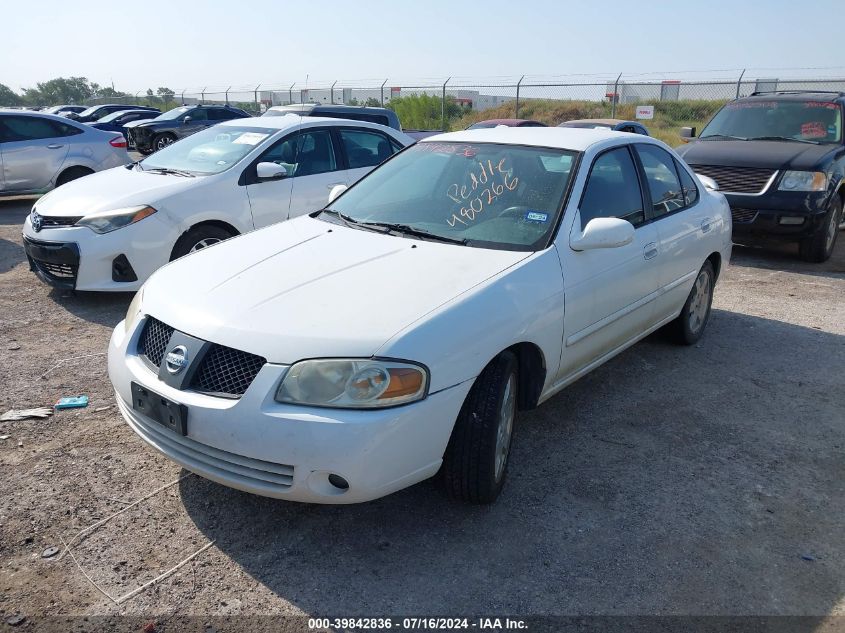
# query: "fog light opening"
(791, 219)
(338, 482)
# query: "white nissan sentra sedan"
(394, 335)
(112, 230)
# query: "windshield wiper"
(783, 138)
(727, 136)
(167, 170)
(406, 229)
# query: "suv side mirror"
(687, 132)
(187, 119)
(336, 191)
(270, 171)
(603, 233)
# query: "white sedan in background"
(111, 231)
(345, 355)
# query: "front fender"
(522, 304)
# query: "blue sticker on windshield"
(536, 216)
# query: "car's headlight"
(133, 311)
(353, 383)
(108, 221)
(803, 181)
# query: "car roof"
(337, 107)
(571, 138)
(600, 121)
(291, 120)
(794, 95)
(46, 115)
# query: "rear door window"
(30, 128)
(365, 148)
(667, 195)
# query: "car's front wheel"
(690, 324)
(198, 238)
(163, 140)
(476, 458)
(819, 247)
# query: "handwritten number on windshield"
(475, 195)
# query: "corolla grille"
(750, 180)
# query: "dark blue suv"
(779, 158)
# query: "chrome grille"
(737, 179)
(223, 371)
(154, 340)
(51, 222)
(743, 216)
(227, 371)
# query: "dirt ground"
(702, 480)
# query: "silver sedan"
(41, 151)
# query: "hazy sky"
(219, 43)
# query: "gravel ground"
(702, 480)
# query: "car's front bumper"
(55, 253)
(260, 446)
(777, 215)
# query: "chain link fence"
(455, 105)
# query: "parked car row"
(348, 312)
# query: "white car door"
(608, 292)
(313, 170)
(365, 149)
(682, 226)
(34, 150)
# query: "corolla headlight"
(108, 221)
(803, 181)
(353, 383)
(134, 310)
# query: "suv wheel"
(163, 140)
(819, 246)
(476, 459)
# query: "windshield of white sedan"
(207, 152)
(480, 194)
(798, 121)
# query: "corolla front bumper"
(263, 447)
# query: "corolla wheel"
(197, 238)
(476, 459)
(690, 324)
(208, 241)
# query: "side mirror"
(603, 233)
(688, 132)
(270, 171)
(708, 182)
(187, 119)
(336, 191)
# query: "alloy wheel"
(700, 303)
(209, 241)
(507, 412)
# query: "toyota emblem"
(36, 220)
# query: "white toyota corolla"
(352, 352)
(112, 230)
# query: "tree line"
(76, 90)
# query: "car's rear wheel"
(72, 173)
(163, 140)
(198, 238)
(476, 458)
(819, 247)
(690, 324)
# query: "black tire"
(72, 173)
(469, 472)
(688, 328)
(160, 141)
(819, 247)
(146, 151)
(193, 239)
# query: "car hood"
(764, 154)
(111, 189)
(137, 122)
(307, 288)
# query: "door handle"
(705, 225)
(334, 184)
(55, 146)
(650, 250)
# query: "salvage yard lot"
(702, 480)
